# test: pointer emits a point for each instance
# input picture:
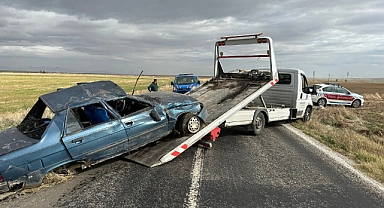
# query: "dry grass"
(50, 180)
(19, 91)
(356, 133)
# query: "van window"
(284, 79)
(304, 82)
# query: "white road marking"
(340, 159)
(197, 167)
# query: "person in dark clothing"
(153, 86)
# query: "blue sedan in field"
(87, 124)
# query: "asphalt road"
(277, 169)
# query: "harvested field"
(360, 87)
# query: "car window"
(86, 116)
(36, 121)
(284, 79)
(329, 89)
(184, 80)
(128, 106)
(316, 87)
(342, 90)
(72, 123)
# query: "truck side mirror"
(198, 81)
(172, 83)
(307, 90)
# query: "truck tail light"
(262, 40)
(220, 43)
(1, 177)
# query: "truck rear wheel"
(258, 123)
(307, 114)
(189, 124)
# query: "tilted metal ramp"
(222, 98)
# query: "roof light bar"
(241, 36)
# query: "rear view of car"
(335, 94)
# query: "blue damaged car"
(87, 124)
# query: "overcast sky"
(166, 37)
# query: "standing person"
(153, 86)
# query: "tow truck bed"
(219, 96)
(150, 155)
(223, 95)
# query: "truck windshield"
(184, 80)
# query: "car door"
(344, 96)
(304, 97)
(145, 126)
(330, 94)
(86, 141)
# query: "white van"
(288, 99)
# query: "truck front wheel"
(258, 123)
(307, 114)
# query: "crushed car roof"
(82, 94)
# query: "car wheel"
(307, 114)
(356, 104)
(189, 124)
(322, 102)
(258, 123)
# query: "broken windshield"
(184, 80)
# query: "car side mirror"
(155, 115)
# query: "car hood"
(357, 96)
(169, 99)
(12, 139)
(184, 85)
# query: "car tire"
(258, 123)
(356, 104)
(189, 124)
(322, 102)
(307, 114)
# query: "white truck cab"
(288, 99)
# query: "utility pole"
(314, 75)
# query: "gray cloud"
(172, 36)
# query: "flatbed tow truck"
(223, 95)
